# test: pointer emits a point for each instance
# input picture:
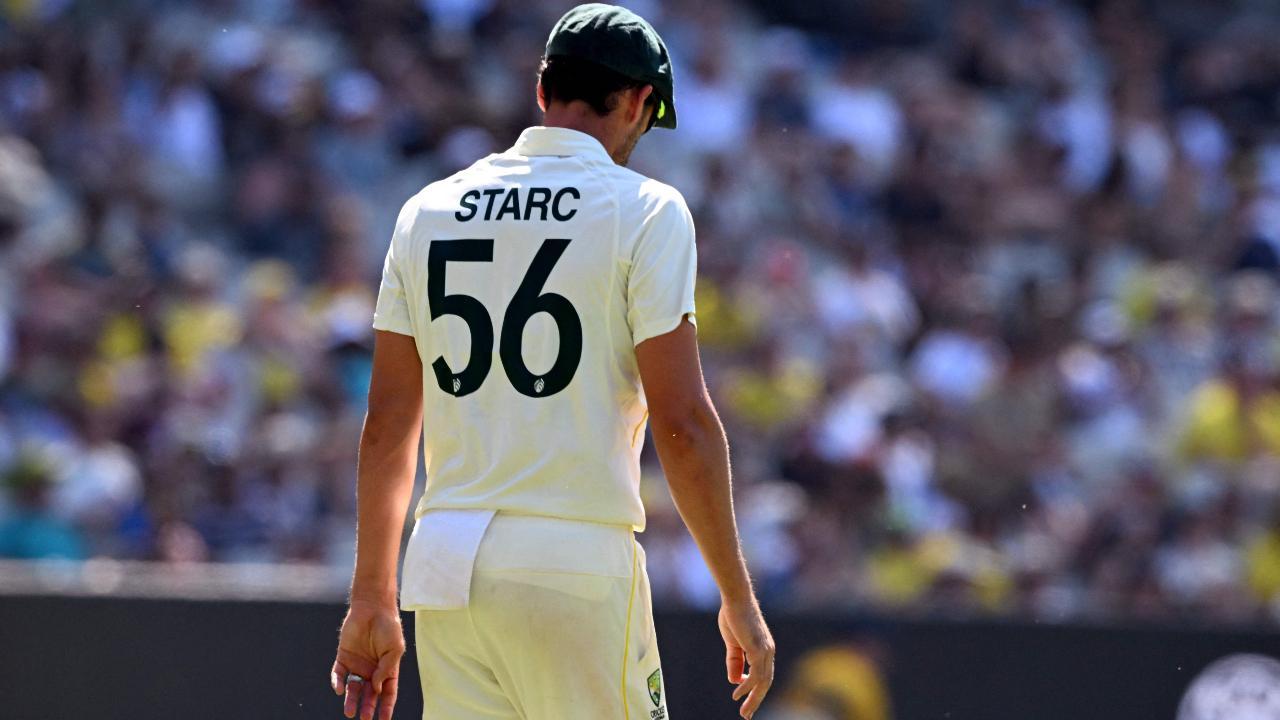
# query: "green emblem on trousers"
(655, 688)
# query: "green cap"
(622, 41)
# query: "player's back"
(526, 281)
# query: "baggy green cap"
(622, 41)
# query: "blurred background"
(988, 293)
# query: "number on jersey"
(529, 300)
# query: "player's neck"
(605, 129)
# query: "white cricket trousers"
(558, 626)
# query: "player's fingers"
(337, 677)
(734, 658)
(753, 700)
(351, 705)
(762, 674)
(368, 702)
(389, 691)
(748, 683)
(388, 666)
(356, 667)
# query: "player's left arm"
(372, 641)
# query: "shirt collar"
(540, 140)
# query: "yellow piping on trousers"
(626, 643)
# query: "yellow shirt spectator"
(1220, 426)
(1262, 560)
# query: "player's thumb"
(734, 659)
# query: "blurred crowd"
(988, 290)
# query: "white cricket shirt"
(526, 281)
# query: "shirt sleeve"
(392, 311)
(664, 266)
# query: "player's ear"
(641, 96)
(542, 96)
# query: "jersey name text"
(541, 199)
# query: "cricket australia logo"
(655, 687)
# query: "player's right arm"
(695, 457)
(371, 642)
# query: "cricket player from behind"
(536, 309)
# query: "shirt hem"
(663, 326)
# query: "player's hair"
(565, 79)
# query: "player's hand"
(748, 645)
(371, 645)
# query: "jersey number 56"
(528, 301)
